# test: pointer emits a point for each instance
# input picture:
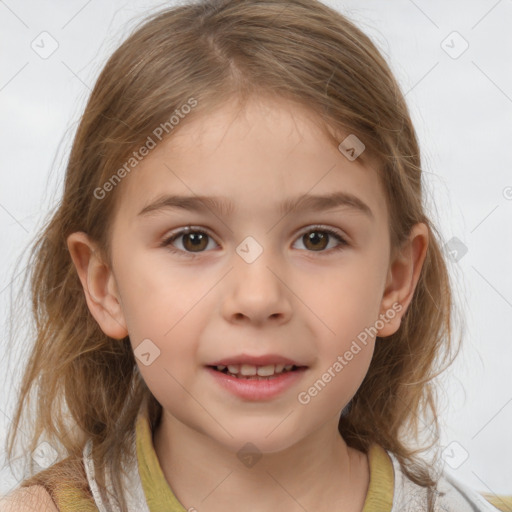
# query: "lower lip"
(254, 389)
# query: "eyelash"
(167, 242)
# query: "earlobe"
(99, 285)
(402, 278)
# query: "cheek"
(163, 320)
(158, 299)
(173, 362)
(334, 384)
(346, 299)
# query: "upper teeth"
(249, 369)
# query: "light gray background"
(462, 110)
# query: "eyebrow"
(306, 202)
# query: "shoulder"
(451, 495)
(62, 487)
(454, 495)
(28, 499)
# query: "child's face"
(300, 298)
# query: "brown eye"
(195, 241)
(317, 240)
(192, 241)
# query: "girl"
(240, 301)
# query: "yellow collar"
(159, 495)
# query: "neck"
(319, 472)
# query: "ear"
(403, 274)
(99, 285)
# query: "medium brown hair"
(219, 51)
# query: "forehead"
(256, 158)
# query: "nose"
(257, 291)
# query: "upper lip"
(263, 360)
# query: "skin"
(198, 307)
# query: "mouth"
(253, 372)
